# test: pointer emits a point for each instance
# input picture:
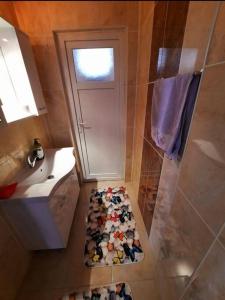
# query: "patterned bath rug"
(120, 291)
(111, 234)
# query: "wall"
(16, 139)
(38, 19)
(188, 232)
(146, 13)
(166, 38)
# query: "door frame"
(64, 36)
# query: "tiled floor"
(54, 273)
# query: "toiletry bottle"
(38, 149)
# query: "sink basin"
(40, 180)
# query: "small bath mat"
(111, 234)
(120, 291)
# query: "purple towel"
(167, 106)
(186, 117)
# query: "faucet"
(37, 153)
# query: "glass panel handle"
(83, 125)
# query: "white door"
(97, 84)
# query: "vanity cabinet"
(20, 89)
(62, 205)
(44, 222)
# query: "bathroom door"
(97, 87)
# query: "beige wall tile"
(203, 173)
(71, 15)
(17, 139)
(197, 32)
(56, 105)
(166, 192)
(120, 14)
(131, 96)
(7, 12)
(132, 57)
(183, 237)
(140, 111)
(45, 56)
(208, 282)
(150, 174)
(28, 13)
(58, 118)
(146, 12)
(222, 237)
(129, 152)
(132, 15)
(216, 50)
(136, 162)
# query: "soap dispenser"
(38, 149)
(37, 153)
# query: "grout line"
(143, 84)
(196, 211)
(203, 260)
(215, 64)
(197, 269)
(146, 83)
(153, 81)
(153, 147)
(216, 240)
(213, 24)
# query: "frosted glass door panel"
(102, 134)
(94, 64)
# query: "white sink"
(40, 180)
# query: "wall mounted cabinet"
(20, 90)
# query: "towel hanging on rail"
(186, 117)
(168, 101)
